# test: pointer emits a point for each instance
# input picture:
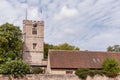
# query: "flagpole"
(26, 14)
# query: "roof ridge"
(83, 51)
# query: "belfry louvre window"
(34, 45)
(34, 30)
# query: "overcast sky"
(88, 24)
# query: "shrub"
(92, 72)
(15, 68)
(111, 66)
(82, 73)
(37, 70)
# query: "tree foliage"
(111, 65)
(15, 68)
(64, 46)
(115, 48)
(10, 51)
(46, 48)
(10, 42)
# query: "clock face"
(34, 24)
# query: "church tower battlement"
(30, 22)
(33, 46)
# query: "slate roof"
(65, 59)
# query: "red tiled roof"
(79, 59)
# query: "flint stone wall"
(55, 77)
(41, 77)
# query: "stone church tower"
(33, 36)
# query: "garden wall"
(41, 77)
(55, 77)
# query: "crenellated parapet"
(30, 22)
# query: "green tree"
(64, 46)
(10, 42)
(10, 51)
(15, 68)
(115, 48)
(46, 48)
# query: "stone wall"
(97, 77)
(55, 77)
(41, 77)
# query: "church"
(59, 61)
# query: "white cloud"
(88, 24)
(33, 13)
(102, 40)
(66, 13)
(33, 2)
